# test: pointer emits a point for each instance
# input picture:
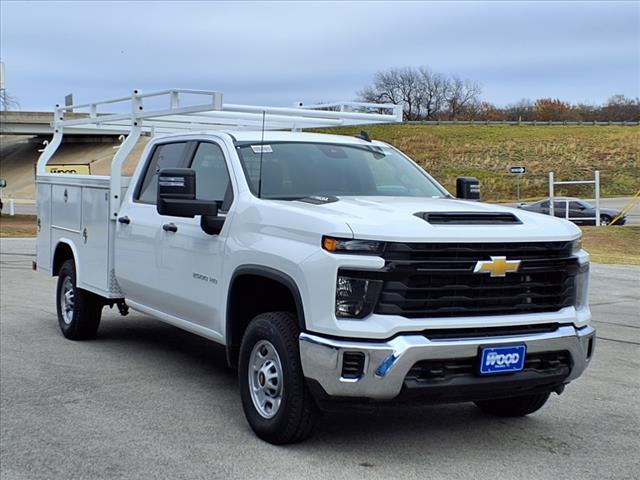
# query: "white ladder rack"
(184, 110)
(206, 110)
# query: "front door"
(192, 260)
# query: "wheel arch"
(64, 250)
(236, 322)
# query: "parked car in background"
(580, 212)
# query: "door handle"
(124, 220)
(170, 227)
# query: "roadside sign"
(518, 171)
(72, 169)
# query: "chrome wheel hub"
(265, 379)
(67, 300)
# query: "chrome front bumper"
(387, 363)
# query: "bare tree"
(621, 108)
(522, 110)
(433, 92)
(7, 101)
(397, 86)
(460, 95)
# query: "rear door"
(139, 234)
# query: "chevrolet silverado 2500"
(332, 268)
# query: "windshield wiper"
(313, 199)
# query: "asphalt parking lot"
(146, 400)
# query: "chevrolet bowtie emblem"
(497, 266)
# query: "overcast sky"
(278, 53)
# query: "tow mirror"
(468, 188)
(177, 195)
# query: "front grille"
(438, 279)
(436, 371)
(487, 332)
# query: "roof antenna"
(261, 152)
(364, 135)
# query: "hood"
(394, 219)
(609, 211)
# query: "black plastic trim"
(271, 274)
(469, 218)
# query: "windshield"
(297, 170)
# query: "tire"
(514, 407)
(79, 311)
(288, 413)
(605, 220)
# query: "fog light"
(352, 365)
(356, 297)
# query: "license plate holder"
(496, 360)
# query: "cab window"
(170, 155)
(212, 176)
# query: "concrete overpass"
(39, 123)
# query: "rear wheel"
(605, 220)
(79, 311)
(514, 407)
(275, 397)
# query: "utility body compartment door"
(95, 237)
(43, 241)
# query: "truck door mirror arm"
(211, 224)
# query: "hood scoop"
(469, 218)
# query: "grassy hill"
(487, 151)
(445, 151)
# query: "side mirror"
(177, 195)
(468, 188)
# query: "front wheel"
(79, 311)
(275, 397)
(605, 220)
(514, 407)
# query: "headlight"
(340, 245)
(582, 287)
(356, 297)
(576, 245)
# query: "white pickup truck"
(332, 268)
